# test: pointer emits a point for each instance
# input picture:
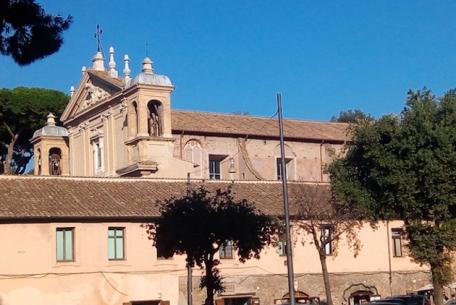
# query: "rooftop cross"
(98, 37)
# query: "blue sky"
(230, 56)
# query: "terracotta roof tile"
(205, 122)
(48, 198)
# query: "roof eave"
(258, 136)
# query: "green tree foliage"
(22, 111)
(351, 116)
(200, 223)
(404, 167)
(27, 32)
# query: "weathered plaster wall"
(309, 159)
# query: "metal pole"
(390, 273)
(189, 268)
(291, 290)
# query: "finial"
(51, 119)
(147, 66)
(112, 63)
(126, 70)
(98, 62)
(83, 69)
(71, 90)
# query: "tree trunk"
(9, 155)
(438, 286)
(324, 270)
(209, 264)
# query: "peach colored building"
(73, 234)
(39, 215)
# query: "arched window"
(154, 118)
(134, 119)
(39, 162)
(55, 157)
(193, 152)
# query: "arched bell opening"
(55, 164)
(134, 128)
(39, 162)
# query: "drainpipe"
(321, 160)
(180, 145)
(390, 272)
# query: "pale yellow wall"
(111, 125)
(119, 136)
(91, 277)
(77, 154)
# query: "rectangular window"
(397, 242)
(65, 244)
(288, 163)
(214, 167)
(226, 251)
(99, 164)
(116, 243)
(326, 236)
(98, 158)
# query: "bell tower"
(50, 145)
(150, 143)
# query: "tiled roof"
(53, 198)
(246, 125)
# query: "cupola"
(50, 145)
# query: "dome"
(148, 77)
(50, 129)
(57, 131)
(151, 79)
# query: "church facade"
(74, 230)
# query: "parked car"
(412, 299)
(451, 302)
(390, 301)
(382, 302)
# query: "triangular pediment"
(94, 88)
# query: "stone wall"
(273, 286)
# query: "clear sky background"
(231, 56)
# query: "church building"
(126, 127)
(73, 233)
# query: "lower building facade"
(75, 241)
